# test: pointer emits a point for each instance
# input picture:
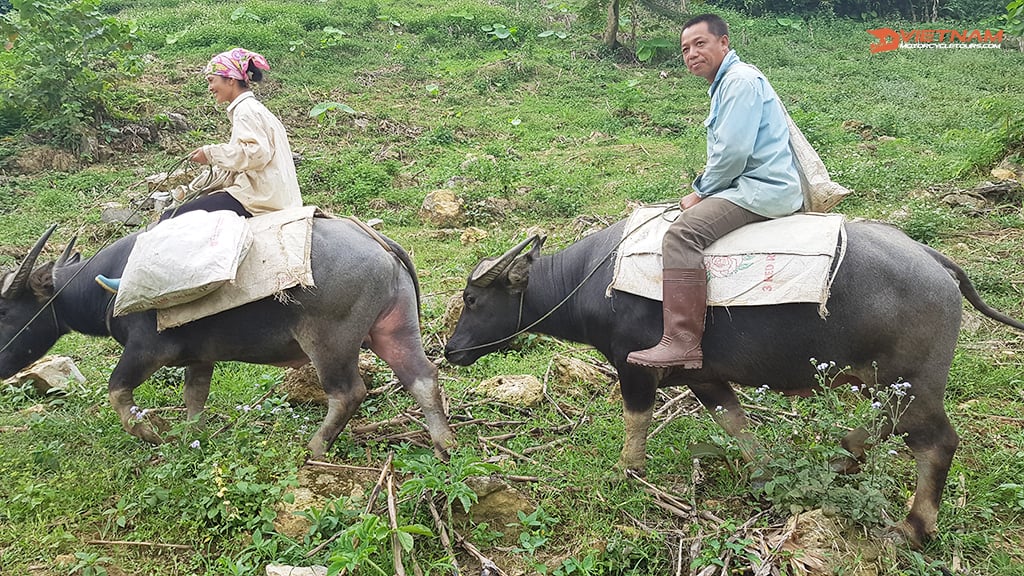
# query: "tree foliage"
(919, 10)
(64, 57)
(618, 13)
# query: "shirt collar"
(239, 98)
(730, 59)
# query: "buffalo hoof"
(759, 478)
(148, 428)
(845, 465)
(317, 448)
(620, 474)
(904, 533)
(442, 452)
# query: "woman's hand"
(199, 157)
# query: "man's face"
(703, 52)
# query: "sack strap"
(372, 233)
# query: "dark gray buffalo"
(364, 295)
(895, 303)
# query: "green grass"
(539, 132)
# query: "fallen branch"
(138, 543)
(551, 444)
(339, 466)
(488, 567)
(396, 545)
(442, 532)
(372, 427)
(515, 454)
(522, 478)
(1004, 418)
(369, 504)
(663, 499)
(683, 395)
(490, 423)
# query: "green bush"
(66, 58)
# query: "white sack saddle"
(785, 260)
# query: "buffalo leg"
(395, 337)
(345, 392)
(419, 378)
(725, 408)
(933, 443)
(197, 388)
(126, 376)
(639, 391)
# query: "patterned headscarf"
(234, 63)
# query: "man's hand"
(199, 157)
(689, 201)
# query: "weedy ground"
(533, 130)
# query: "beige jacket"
(259, 156)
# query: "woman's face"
(224, 89)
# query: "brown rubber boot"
(685, 298)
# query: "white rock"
(49, 373)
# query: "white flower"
(194, 444)
(823, 366)
(854, 388)
(876, 405)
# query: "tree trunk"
(611, 29)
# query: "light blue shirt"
(750, 162)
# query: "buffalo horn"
(490, 268)
(17, 281)
(67, 253)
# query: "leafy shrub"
(799, 476)
(67, 56)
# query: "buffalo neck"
(82, 305)
(552, 280)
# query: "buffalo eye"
(469, 300)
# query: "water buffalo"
(895, 305)
(364, 295)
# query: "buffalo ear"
(518, 272)
(40, 281)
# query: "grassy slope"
(558, 134)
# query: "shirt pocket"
(710, 124)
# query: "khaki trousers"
(697, 227)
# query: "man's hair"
(716, 25)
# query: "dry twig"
(138, 543)
(442, 532)
(489, 568)
(320, 464)
(369, 503)
(515, 454)
(396, 545)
